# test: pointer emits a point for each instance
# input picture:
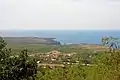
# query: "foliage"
(16, 67)
(111, 42)
(103, 65)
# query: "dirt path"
(52, 65)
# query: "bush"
(16, 67)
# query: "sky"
(59, 14)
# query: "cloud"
(59, 14)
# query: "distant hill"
(30, 40)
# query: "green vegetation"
(16, 67)
(71, 62)
(31, 40)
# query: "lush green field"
(46, 47)
(35, 44)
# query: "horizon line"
(55, 29)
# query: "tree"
(16, 67)
(111, 42)
(107, 63)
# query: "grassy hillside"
(35, 44)
(30, 40)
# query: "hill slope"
(30, 40)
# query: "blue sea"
(66, 36)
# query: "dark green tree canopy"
(18, 67)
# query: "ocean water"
(66, 36)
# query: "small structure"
(38, 62)
(54, 53)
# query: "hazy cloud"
(60, 14)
